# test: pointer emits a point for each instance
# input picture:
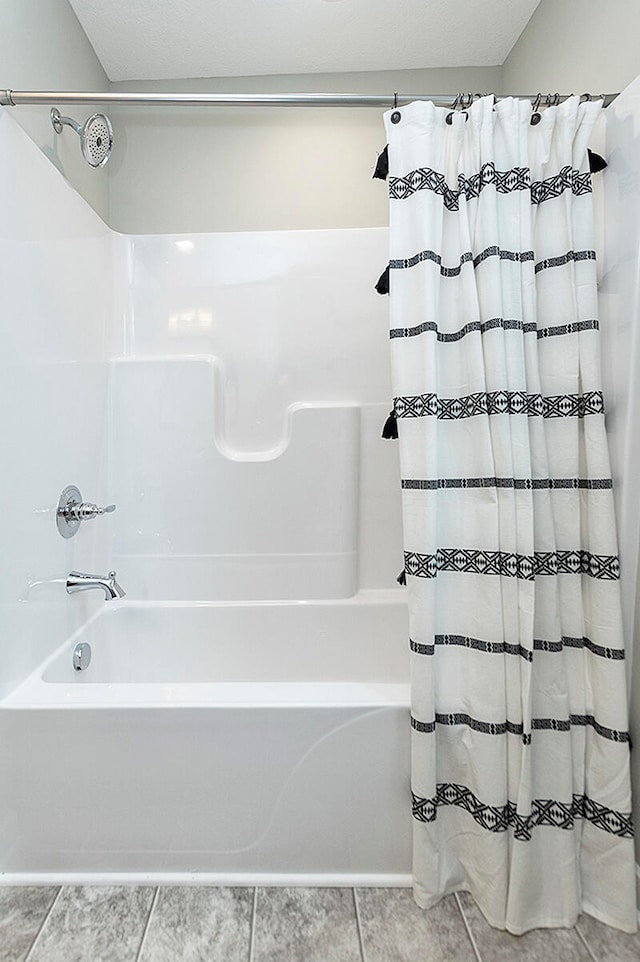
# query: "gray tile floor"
(189, 924)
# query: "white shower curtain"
(520, 751)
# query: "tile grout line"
(252, 931)
(584, 941)
(474, 946)
(44, 922)
(154, 901)
(358, 925)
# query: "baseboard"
(245, 879)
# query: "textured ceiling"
(167, 39)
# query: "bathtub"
(230, 743)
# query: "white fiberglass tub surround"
(229, 742)
(245, 715)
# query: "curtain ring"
(464, 101)
(396, 116)
(454, 105)
(556, 99)
(536, 116)
(587, 98)
(461, 101)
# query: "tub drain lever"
(72, 510)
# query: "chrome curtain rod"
(14, 98)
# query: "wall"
(249, 391)
(245, 169)
(267, 169)
(576, 46)
(55, 305)
(619, 297)
(233, 355)
(43, 47)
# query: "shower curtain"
(520, 750)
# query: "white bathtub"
(230, 743)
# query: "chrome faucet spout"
(78, 581)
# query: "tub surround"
(56, 309)
(227, 392)
(249, 385)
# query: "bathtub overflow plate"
(82, 656)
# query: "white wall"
(55, 305)
(576, 46)
(619, 298)
(266, 169)
(248, 398)
(235, 355)
(245, 169)
(43, 47)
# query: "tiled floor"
(190, 924)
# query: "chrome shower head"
(96, 136)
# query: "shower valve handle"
(72, 511)
(87, 510)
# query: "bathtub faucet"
(77, 581)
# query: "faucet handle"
(72, 510)
(87, 510)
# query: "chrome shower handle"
(72, 510)
(86, 510)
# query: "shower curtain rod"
(14, 98)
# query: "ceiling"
(172, 39)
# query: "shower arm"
(15, 98)
(59, 121)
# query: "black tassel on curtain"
(382, 285)
(390, 429)
(382, 167)
(596, 162)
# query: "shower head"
(96, 136)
